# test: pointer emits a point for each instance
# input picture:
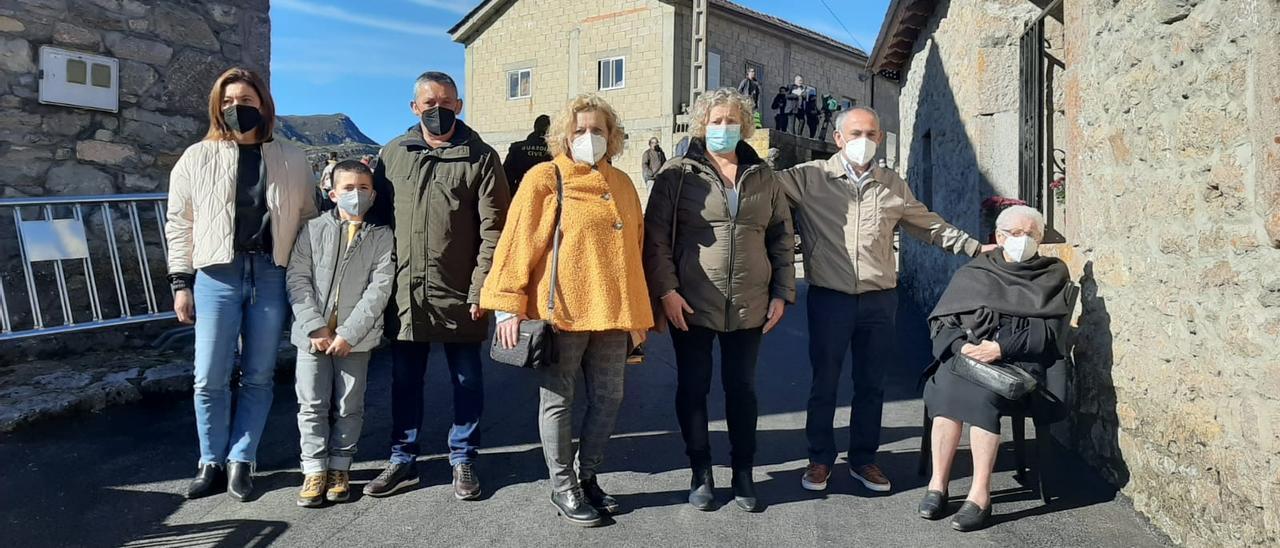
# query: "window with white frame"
(519, 84)
(613, 73)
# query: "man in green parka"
(444, 192)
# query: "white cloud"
(344, 16)
(456, 6)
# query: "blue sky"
(360, 58)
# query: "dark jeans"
(738, 353)
(840, 322)
(408, 365)
(780, 121)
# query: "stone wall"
(959, 126)
(1174, 128)
(170, 52)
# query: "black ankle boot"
(600, 500)
(210, 479)
(702, 489)
(744, 490)
(239, 480)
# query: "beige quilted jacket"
(202, 198)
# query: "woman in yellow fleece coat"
(601, 295)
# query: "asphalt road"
(116, 478)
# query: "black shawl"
(1032, 289)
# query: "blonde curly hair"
(560, 136)
(700, 114)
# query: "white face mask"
(589, 148)
(1020, 248)
(860, 151)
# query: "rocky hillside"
(318, 134)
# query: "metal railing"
(82, 262)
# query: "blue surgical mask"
(723, 138)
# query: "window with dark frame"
(612, 73)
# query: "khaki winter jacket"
(847, 233)
(363, 275)
(200, 223)
(726, 267)
(447, 206)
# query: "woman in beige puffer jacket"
(236, 202)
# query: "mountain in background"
(318, 134)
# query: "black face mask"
(241, 118)
(437, 120)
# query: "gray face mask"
(355, 202)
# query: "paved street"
(115, 478)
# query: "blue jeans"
(408, 365)
(240, 306)
(839, 323)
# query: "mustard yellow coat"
(601, 275)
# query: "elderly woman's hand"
(986, 351)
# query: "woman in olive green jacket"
(719, 254)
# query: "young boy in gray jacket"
(340, 278)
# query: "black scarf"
(1036, 288)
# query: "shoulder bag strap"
(555, 246)
(675, 207)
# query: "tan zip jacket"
(847, 232)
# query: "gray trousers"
(330, 386)
(601, 358)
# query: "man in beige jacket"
(847, 210)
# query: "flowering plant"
(1059, 188)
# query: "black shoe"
(239, 480)
(210, 479)
(393, 478)
(702, 489)
(933, 505)
(970, 517)
(597, 498)
(466, 484)
(744, 490)
(574, 508)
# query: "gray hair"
(430, 77)
(701, 112)
(1010, 214)
(842, 115)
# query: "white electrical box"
(76, 79)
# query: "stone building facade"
(1162, 119)
(561, 44)
(170, 52)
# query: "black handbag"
(1008, 381)
(536, 346)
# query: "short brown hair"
(218, 130)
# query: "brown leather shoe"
(466, 485)
(815, 477)
(871, 477)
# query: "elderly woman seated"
(1006, 306)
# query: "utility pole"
(698, 41)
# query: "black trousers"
(694, 363)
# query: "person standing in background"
(653, 160)
(779, 106)
(523, 155)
